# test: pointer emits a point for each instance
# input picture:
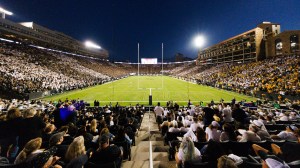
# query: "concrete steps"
(140, 153)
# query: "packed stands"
(215, 127)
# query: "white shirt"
(213, 134)
(227, 115)
(166, 112)
(288, 136)
(183, 129)
(172, 129)
(159, 111)
(192, 135)
(194, 126)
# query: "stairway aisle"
(140, 153)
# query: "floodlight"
(90, 44)
(5, 11)
(199, 41)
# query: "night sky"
(118, 25)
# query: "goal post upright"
(162, 65)
(138, 65)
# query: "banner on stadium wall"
(149, 60)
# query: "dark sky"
(118, 25)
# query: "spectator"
(250, 135)
(239, 116)
(228, 133)
(122, 136)
(288, 152)
(288, 134)
(212, 132)
(158, 111)
(262, 131)
(75, 149)
(32, 127)
(31, 149)
(56, 140)
(196, 124)
(226, 162)
(10, 129)
(93, 127)
(107, 153)
(187, 151)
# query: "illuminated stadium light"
(5, 12)
(90, 44)
(199, 41)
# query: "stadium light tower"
(90, 44)
(5, 12)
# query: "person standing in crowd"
(239, 116)
(32, 127)
(158, 111)
(208, 115)
(10, 129)
(227, 116)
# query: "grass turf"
(136, 89)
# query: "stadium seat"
(195, 164)
(285, 122)
(240, 148)
(107, 165)
(275, 127)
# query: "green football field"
(136, 89)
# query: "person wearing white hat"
(262, 131)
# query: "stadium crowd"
(66, 134)
(27, 69)
(278, 75)
(232, 132)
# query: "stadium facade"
(264, 41)
(34, 34)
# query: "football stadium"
(124, 84)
